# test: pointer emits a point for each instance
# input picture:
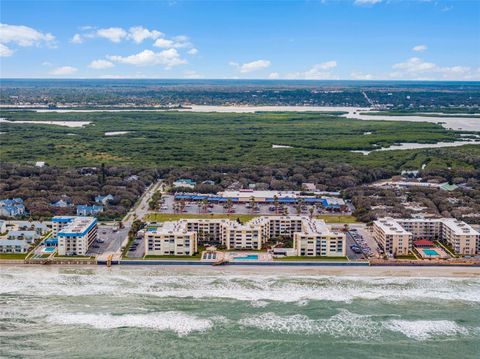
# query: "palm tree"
(252, 203)
(298, 206)
(311, 210)
(182, 205)
(229, 205)
(205, 205)
(275, 203)
(298, 209)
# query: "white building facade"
(75, 236)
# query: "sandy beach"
(251, 270)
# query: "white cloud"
(5, 51)
(22, 36)
(419, 48)
(177, 42)
(251, 66)
(64, 71)
(168, 58)
(415, 65)
(182, 41)
(190, 74)
(77, 39)
(367, 2)
(163, 43)
(139, 33)
(114, 34)
(274, 76)
(417, 69)
(316, 72)
(360, 76)
(100, 64)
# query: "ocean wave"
(343, 324)
(426, 329)
(348, 324)
(293, 289)
(180, 323)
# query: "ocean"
(189, 312)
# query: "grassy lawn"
(305, 259)
(337, 218)
(13, 255)
(164, 217)
(410, 257)
(447, 249)
(196, 257)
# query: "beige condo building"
(392, 234)
(311, 237)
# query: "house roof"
(423, 242)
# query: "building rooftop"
(78, 226)
(390, 226)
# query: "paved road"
(113, 240)
(141, 209)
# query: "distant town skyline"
(305, 40)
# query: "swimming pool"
(48, 250)
(430, 252)
(250, 257)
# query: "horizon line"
(227, 79)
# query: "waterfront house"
(13, 246)
(28, 236)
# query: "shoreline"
(297, 270)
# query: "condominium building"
(459, 235)
(58, 222)
(172, 238)
(316, 239)
(75, 235)
(182, 237)
(392, 237)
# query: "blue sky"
(315, 39)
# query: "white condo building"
(311, 237)
(393, 234)
(74, 234)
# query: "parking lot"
(362, 239)
(239, 208)
(108, 240)
(137, 248)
